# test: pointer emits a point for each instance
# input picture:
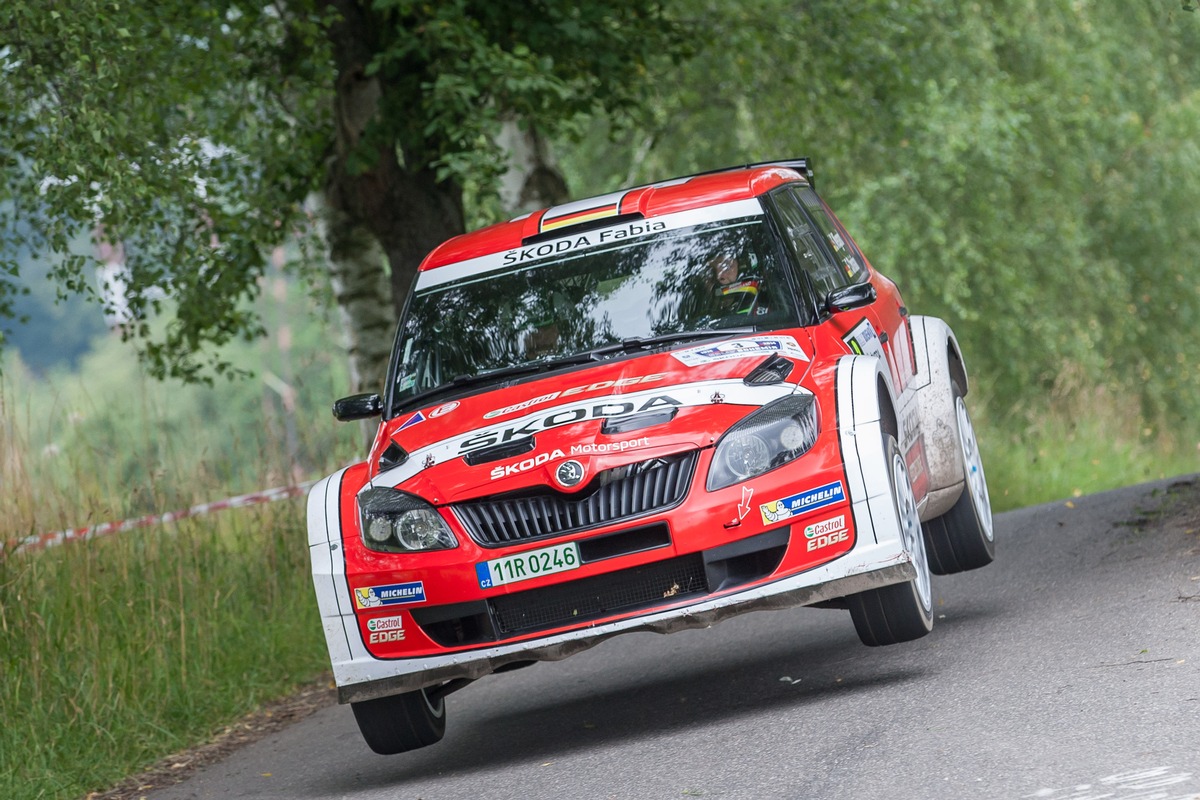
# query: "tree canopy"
(190, 134)
(1023, 169)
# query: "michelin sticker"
(391, 595)
(802, 503)
(741, 348)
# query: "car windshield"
(703, 279)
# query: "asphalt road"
(1068, 669)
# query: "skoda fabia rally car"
(650, 410)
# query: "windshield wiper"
(630, 345)
(495, 376)
(636, 343)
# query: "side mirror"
(856, 295)
(358, 406)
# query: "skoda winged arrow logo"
(569, 473)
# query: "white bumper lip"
(366, 677)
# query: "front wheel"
(962, 538)
(401, 722)
(903, 611)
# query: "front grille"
(614, 495)
(620, 591)
(599, 596)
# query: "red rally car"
(650, 410)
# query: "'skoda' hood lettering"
(702, 393)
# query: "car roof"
(641, 202)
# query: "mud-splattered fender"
(938, 360)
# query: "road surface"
(1069, 669)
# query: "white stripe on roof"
(571, 242)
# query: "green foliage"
(108, 442)
(47, 329)
(1024, 170)
(1087, 442)
(191, 133)
(170, 130)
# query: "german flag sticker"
(581, 211)
(567, 220)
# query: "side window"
(849, 259)
(804, 242)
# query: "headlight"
(395, 522)
(777, 433)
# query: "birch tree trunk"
(358, 272)
(532, 180)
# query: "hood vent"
(773, 369)
(496, 452)
(393, 456)
(635, 422)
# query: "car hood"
(617, 412)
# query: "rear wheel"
(401, 722)
(962, 538)
(904, 611)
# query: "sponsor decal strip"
(385, 629)
(557, 454)
(569, 243)
(863, 340)
(46, 540)
(741, 348)
(574, 390)
(802, 503)
(733, 391)
(390, 595)
(826, 532)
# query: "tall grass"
(118, 651)
(1076, 440)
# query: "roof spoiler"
(803, 165)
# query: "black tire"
(903, 611)
(401, 722)
(963, 538)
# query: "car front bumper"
(361, 676)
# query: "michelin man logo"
(366, 598)
(797, 504)
(774, 511)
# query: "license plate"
(523, 566)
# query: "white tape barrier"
(46, 540)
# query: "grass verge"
(1084, 442)
(119, 651)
